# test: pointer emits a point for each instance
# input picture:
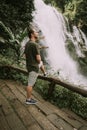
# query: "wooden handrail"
(78, 89)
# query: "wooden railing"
(53, 81)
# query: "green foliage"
(48, 1)
(71, 49)
(58, 3)
(13, 74)
(16, 14)
(62, 3)
(9, 46)
(14, 17)
(76, 12)
(70, 9)
(42, 87)
(18, 77)
(79, 105)
(83, 65)
(5, 60)
(64, 98)
(81, 15)
(5, 32)
(22, 35)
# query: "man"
(33, 61)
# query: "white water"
(52, 24)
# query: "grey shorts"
(32, 78)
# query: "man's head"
(32, 33)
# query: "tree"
(81, 15)
(16, 14)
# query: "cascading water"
(52, 24)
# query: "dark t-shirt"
(31, 50)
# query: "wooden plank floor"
(16, 115)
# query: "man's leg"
(42, 69)
(29, 91)
(31, 81)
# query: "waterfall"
(53, 27)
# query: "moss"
(82, 63)
(71, 49)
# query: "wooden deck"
(16, 115)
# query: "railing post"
(51, 89)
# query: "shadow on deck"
(16, 115)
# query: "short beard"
(36, 37)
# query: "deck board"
(16, 115)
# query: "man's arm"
(41, 37)
(43, 47)
(38, 58)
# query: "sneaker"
(31, 101)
